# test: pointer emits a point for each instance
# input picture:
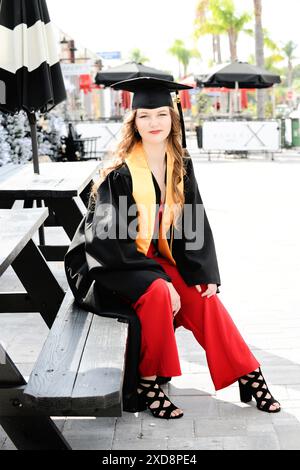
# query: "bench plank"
(102, 365)
(55, 371)
(73, 371)
(17, 226)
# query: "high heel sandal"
(162, 380)
(145, 400)
(247, 391)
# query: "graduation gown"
(108, 274)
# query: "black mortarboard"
(150, 93)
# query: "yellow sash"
(143, 191)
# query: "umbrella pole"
(231, 103)
(237, 108)
(273, 102)
(35, 159)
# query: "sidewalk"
(253, 208)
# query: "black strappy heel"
(162, 380)
(144, 399)
(247, 392)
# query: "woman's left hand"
(211, 290)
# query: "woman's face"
(153, 125)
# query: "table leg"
(28, 204)
(37, 278)
(24, 426)
(41, 229)
(68, 214)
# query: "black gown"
(107, 274)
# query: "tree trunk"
(259, 54)
(290, 74)
(232, 44)
(219, 49)
(214, 45)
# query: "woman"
(160, 258)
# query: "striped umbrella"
(30, 73)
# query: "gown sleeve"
(111, 254)
(198, 265)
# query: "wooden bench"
(79, 372)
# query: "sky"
(153, 25)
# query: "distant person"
(169, 276)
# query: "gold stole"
(143, 191)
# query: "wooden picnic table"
(43, 292)
(80, 369)
(64, 188)
(45, 295)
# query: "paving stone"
(197, 406)
(269, 442)
(82, 443)
(220, 427)
(288, 435)
(140, 444)
(154, 428)
(197, 443)
(91, 428)
(129, 428)
(192, 384)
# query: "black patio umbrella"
(241, 73)
(30, 73)
(129, 70)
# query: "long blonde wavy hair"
(129, 137)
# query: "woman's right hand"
(175, 298)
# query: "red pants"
(228, 356)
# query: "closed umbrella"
(30, 73)
(127, 71)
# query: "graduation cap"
(150, 93)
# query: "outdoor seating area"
(68, 379)
(149, 248)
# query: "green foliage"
(288, 49)
(137, 56)
(183, 54)
(203, 104)
(219, 17)
(268, 109)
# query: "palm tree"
(204, 27)
(259, 54)
(137, 56)
(224, 13)
(288, 50)
(223, 20)
(183, 55)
